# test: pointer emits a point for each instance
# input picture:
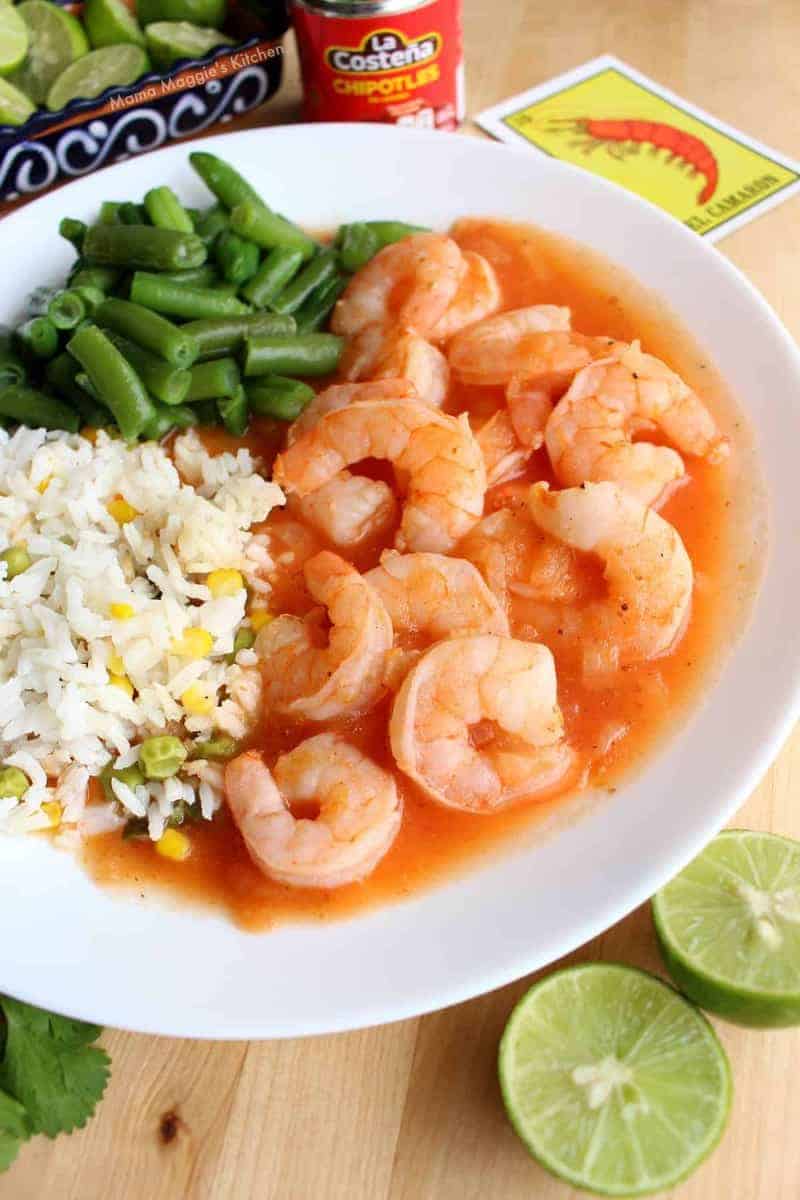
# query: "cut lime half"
(13, 38)
(168, 41)
(729, 928)
(15, 107)
(613, 1081)
(89, 76)
(111, 23)
(55, 39)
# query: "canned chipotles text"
(381, 60)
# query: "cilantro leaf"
(50, 1068)
(14, 1129)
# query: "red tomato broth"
(434, 842)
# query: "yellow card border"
(495, 121)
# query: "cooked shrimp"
(648, 573)
(436, 596)
(503, 455)
(496, 349)
(411, 282)
(438, 455)
(477, 725)
(529, 407)
(589, 433)
(478, 296)
(349, 509)
(379, 353)
(359, 812)
(308, 680)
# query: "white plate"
(69, 946)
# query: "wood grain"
(412, 1111)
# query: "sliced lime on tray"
(729, 928)
(55, 39)
(111, 23)
(112, 66)
(13, 38)
(168, 41)
(614, 1082)
(15, 107)
(198, 12)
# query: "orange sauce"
(649, 699)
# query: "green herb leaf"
(50, 1067)
(14, 1129)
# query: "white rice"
(61, 718)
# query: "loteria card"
(608, 118)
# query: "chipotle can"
(394, 61)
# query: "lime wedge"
(199, 12)
(613, 1081)
(55, 39)
(111, 23)
(15, 107)
(729, 928)
(168, 41)
(13, 38)
(89, 76)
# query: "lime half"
(613, 1081)
(111, 23)
(13, 38)
(15, 107)
(89, 76)
(55, 39)
(168, 41)
(729, 928)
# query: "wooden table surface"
(412, 1111)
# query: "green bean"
(220, 178)
(92, 298)
(109, 212)
(103, 278)
(256, 223)
(165, 419)
(302, 354)
(319, 305)
(357, 244)
(237, 260)
(162, 757)
(17, 560)
(211, 224)
(205, 413)
(178, 300)
(66, 309)
(74, 231)
(13, 783)
(132, 214)
(204, 276)
(116, 382)
(222, 747)
(277, 269)
(61, 375)
(210, 380)
(166, 211)
(394, 231)
(39, 337)
(148, 329)
(225, 335)
(12, 370)
(321, 268)
(233, 410)
(279, 397)
(31, 407)
(143, 246)
(167, 383)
